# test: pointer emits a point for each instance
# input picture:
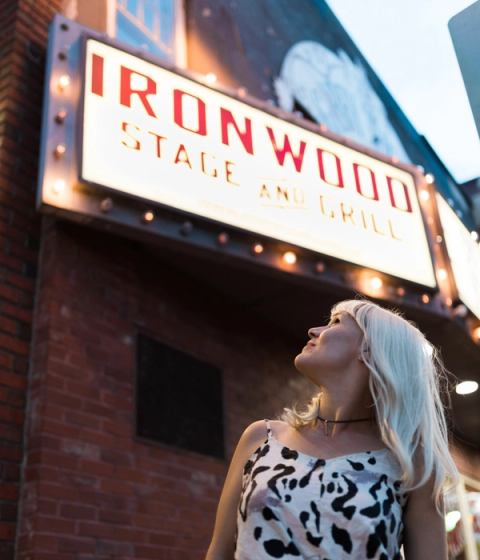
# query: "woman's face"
(331, 348)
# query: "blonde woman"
(362, 470)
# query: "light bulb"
(441, 273)
(290, 257)
(210, 78)
(63, 82)
(59, 186)
(60, 149)
(466, 387)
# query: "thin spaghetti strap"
(269, 429)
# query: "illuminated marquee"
(153, 134)
(464, 254)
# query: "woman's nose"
(313, 332)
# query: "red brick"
(8, 491)
(11, 415)
(79, 419)
(114, 516)
(72, 511)
(8, 325)
(105, 531)
(49, 524)
(13, 344)
(12, 380)
(11, 453)
(96, 468)
(115, 486)
(7, 530)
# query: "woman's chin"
(298, 360)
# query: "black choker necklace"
(325, 422)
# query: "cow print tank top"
(293, 505)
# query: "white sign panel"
(464, 255)
(154, 134)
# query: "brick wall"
(23, 35)
(89, 489)
(92, 490)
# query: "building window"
(178, 399)
(155, 26)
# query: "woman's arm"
(425, 532)
(222, 543)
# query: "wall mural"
(330, 88)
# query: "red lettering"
(358, 182)
(226, 119)
(136, 145)
(182, 156)
(178, 96)
(97, 74)
(405, 193)
(158, 142)
(126, 90)
(281, 153)
(321, 168)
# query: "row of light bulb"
(288, 257)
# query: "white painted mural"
(336, 92)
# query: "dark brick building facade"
(77, 480)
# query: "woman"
(361, 471)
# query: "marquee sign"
(159, 136)
(464, 254)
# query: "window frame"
(179, 31)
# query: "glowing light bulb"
(63, 82)
(466, 387)
(429, 179)
(59, 186)
(425, 298)
(290, 257)
(476, 334)
(451, 520)
(319, 267)
(401, 291)
(424, 195)
(148, 216)
(60, 149)
(210, 78)
(474, 235)
(257, 248)
(223, 238)
(376, 283)
(441, 273)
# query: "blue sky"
(408, 44)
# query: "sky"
(408, 45)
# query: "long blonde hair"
(407, 378)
